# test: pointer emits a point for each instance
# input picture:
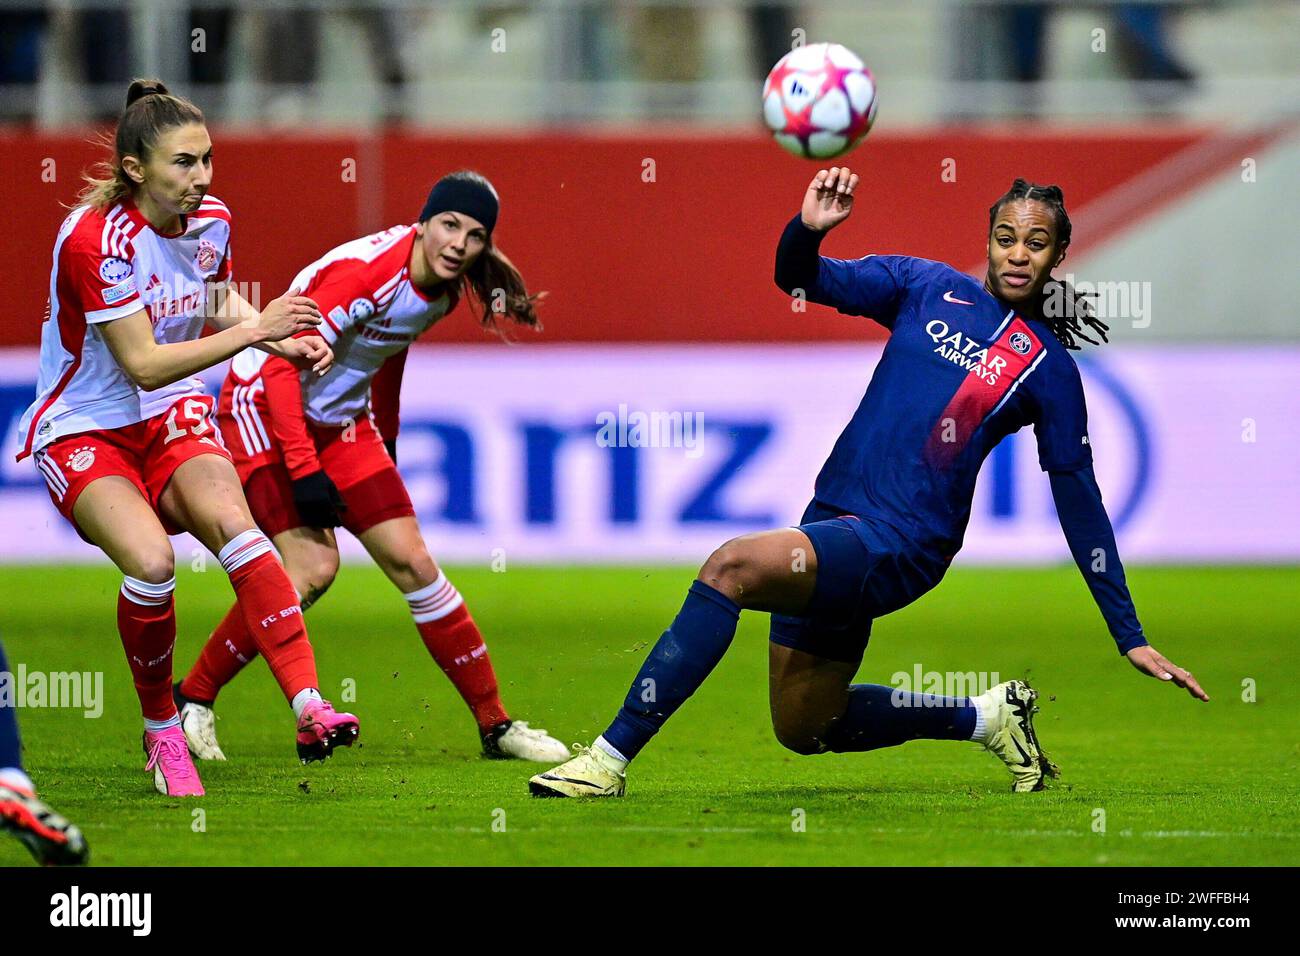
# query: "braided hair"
(1066, 312)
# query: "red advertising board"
(647, 237)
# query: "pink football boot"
(321, 729)
(169, 759)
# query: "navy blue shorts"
(865, 570)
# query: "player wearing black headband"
(317, 454)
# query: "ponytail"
(501, 291)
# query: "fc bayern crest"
(81, 458)
(361, 309)
(1021, 343)
(207, 256)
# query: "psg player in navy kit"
(966, 365)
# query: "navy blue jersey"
(961, 371)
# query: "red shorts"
(146, 454)
(360, 468)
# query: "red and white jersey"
(372, 311)
(260, 413)
(109, 264)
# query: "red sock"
(146, 620)
(454, 641)
(224, 655)
(268, 604)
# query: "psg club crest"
(81, 458)
(114, 271)
(207, 256)
(1021, 343)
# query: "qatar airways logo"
(964, 351)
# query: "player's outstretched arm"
(318, 501)
(872, 286)
(385, 399)
(826, 203)
(152, 365)
(1088, 531)
(289, 433)
(304, 351)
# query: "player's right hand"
(829, 198)
(1154, 664)
(318, 500)
(308, 352)
(288, 315)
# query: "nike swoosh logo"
(1025, 761)
(580, 783)
(949, 297)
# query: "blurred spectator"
(104, 41)
(21, 32)
(288, 54)
(211, 64)
(1141, 41)
(668, 47)
(105, 46)
(667, 52)
(773, 27)
(1143, 36)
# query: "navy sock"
(683, 657)
(10, 748)
(880, 716)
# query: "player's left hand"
(309, 351)
(1154, 664)
(828, 200)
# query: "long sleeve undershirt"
(1092, 542)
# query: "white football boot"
(589, 773)
(515, 740)
(1009, 710)
(199, 722)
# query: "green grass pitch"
(1178, 782)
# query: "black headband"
(468, 196)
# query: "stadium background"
(641, 193)
(648, 210)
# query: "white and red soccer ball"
(819, 100)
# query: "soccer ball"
(819, 100)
